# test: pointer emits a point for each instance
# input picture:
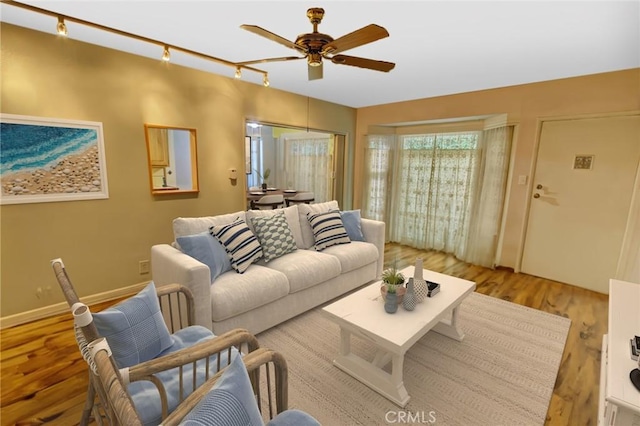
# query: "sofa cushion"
(355, 255)
(208, 250)
(353, 224)
(241, 245)
(192, 225)
(233, 294)
(134, 328)
(229, 402)
(306, 268)
(303, 210)
(274, 235)
(328, 230)
(291, 214)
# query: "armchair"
(155, 382)
(244, 398)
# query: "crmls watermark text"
(408, 417)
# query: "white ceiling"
(439, 47)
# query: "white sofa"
(268, 293)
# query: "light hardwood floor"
(43, 378)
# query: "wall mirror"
(295, 160)
(171, 154)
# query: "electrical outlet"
(143, 267)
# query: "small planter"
(400, 292)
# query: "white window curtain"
(440, 191)
(378, 159)
(433, 185)
(308, 163)
(488, 204)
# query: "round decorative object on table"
(420, 287)
(409, 301)
(391, 303)
(400, 292)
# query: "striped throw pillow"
(239, 242)
(328, 229)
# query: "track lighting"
(166, 55)
(61, 27)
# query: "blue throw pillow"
(229, 402)
(353, 224)
(134, 328)
(208, 250)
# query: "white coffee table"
(362, 314)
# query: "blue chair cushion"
(293, 418)
(208, 250)
(230, 402)
(145, 395)
(134, 328)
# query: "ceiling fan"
(315, 46)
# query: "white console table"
(619, 402)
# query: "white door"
(582, 191)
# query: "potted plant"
(264, 178)
(392, 288)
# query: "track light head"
(265, 80)
(238, 73)
(166, 55)
(61, 28)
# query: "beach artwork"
(46, 159)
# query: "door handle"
(538, 186)
(536, 195)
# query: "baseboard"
(504, 268)
(61, 308)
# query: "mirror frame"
(194, 160)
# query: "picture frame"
(50, 159)
(247, 155)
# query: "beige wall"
(102, 241)
(525, 105)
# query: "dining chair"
(301, 197)
(158, 384)
(268, 202)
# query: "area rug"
(502, 373)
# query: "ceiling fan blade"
(363, 63)
(357, 38)
(315, 73)
(271, 36)
(262, 61)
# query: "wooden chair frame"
(179, 300)
(260, 359)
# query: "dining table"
(256, 195)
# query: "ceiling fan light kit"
(315, 46)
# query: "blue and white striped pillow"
(328, 229)
(239, 242)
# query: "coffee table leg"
(371, 373)
(345, 342)
(450, 327)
